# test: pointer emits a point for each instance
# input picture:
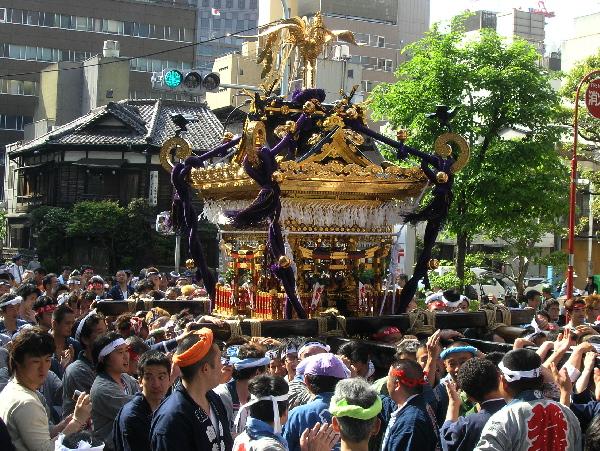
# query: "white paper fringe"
(320, 212)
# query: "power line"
(160, 52)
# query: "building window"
(241, 4)
(217, 3)
(12, 122)
(205, 3)
(113, 26)
(367, 85)
(253, 4)
(389, 66)
(362, 38)
(229, 4)
(18, 87)
(380, 41)
(90, 24)
(2, 15)
(350, 73)
(156, 65)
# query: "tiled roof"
(144, 122)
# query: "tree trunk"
(462, 240)
(523, 266)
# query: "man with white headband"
(80, 374)
(529, 421)
(9, 307)
(290, 358)
(276, 364)
(250, 362)
(266, 411)
(113, 387)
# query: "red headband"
(404, 380)
(45, 309)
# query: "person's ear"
(376, 427)
(503, 387)
(283, 417)
(335, 424)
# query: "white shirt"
(17, 272)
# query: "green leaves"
(125, 232)
(96, 220)
(589, 127)
(513, 188)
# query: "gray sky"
(558, 28)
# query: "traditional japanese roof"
(132, 123)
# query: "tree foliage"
(511, 189)
(49, 226)
(449, 279)
(126, 233)
(589, 127)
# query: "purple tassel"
(303, 95)
(185, 214)
(267, 207)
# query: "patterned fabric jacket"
(532, 423)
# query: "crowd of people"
(72, 378)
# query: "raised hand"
(321, 437)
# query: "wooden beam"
(116, 308)
(364, 326)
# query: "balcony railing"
(29, 201)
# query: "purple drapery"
(267, 206)
(185, 216)
(435, 212)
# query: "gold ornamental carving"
(174, 147)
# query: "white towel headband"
(514, 375)
(111, 347)
(254, 400)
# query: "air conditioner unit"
(2, 15)
(111, 49)
(341, 52)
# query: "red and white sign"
(592, 98)
(541, 9)
(215, 12)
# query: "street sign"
(153, 191)
(592, 98)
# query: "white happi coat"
(531, 423)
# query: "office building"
(511, 24)
(35, 33)
(584, 43)
(217, 18)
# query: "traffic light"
(188, 81)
